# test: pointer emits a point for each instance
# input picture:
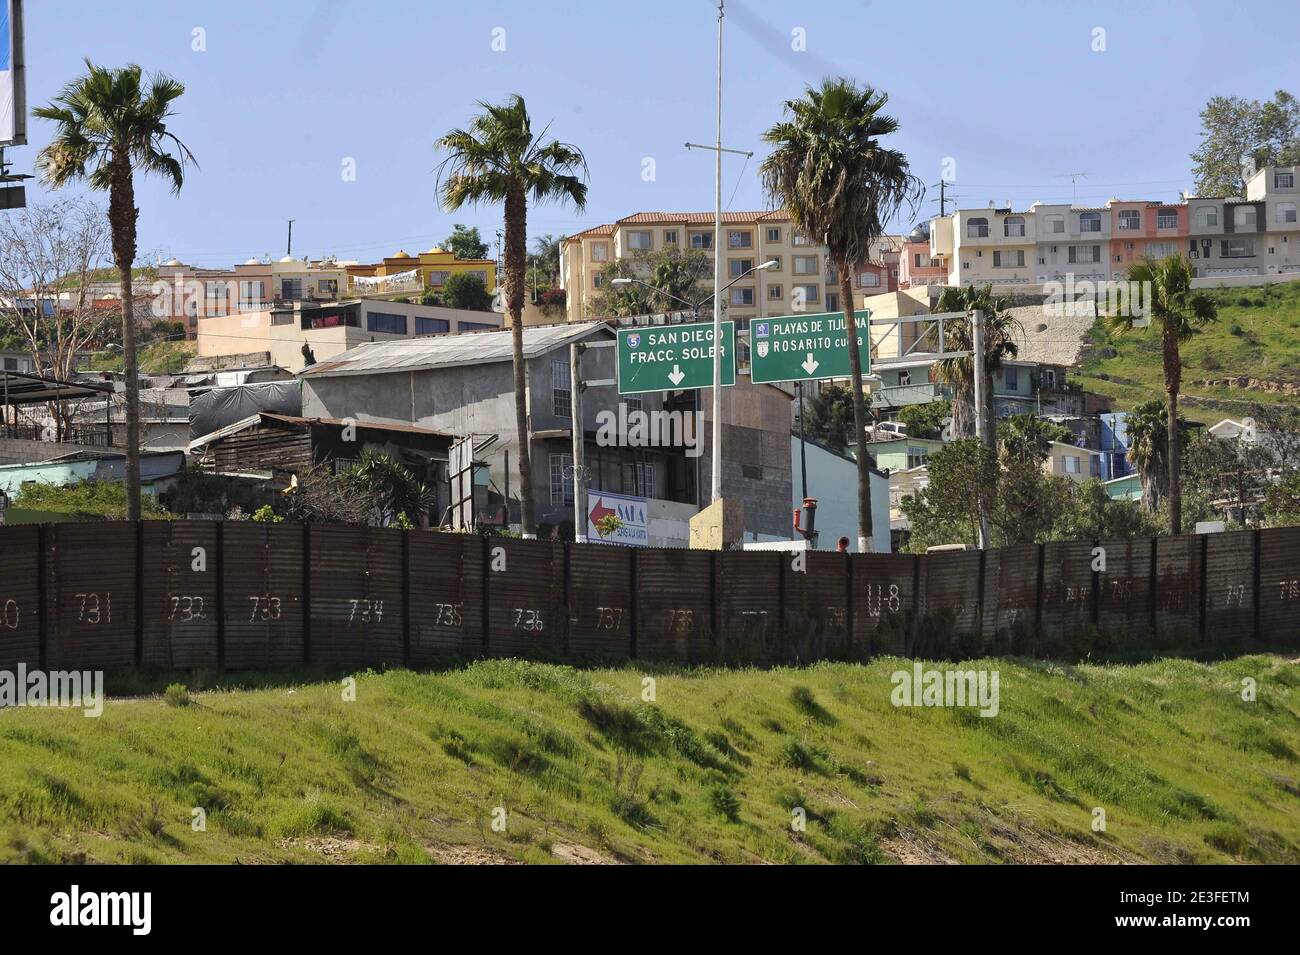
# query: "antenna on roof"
(1074, 178)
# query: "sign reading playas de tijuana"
(805, 347)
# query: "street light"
(716, 458)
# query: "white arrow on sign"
(676, 375)
(811, 364)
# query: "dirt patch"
(907, 848)
(1026, 845)
(328, 847)
(449, 854)
(575, 854)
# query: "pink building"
(917, 267)
(1144, 229)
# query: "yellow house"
(404, 272)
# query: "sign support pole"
(579, 468)
(977, 369)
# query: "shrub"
(724, 802)
(177, 695)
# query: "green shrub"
(177, 695)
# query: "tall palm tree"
(1146, 427)
(840, 186)
(111, 122)
(499, 159)
(546, 255)
(1000, 332)
(1179, 312)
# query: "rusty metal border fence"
(195, 594)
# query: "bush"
(89, 500)
(724, 802)
(177, 695)
(265, 515)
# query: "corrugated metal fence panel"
(1067, 595)
(90, 592)
(446, 600)
(20, 614)
(816, 608)
(1011, 598)
(526, 612)
(1230, 588)
(600, 602)
(749, 593)
(263, 569)
(356, 595)
(1125, 591)
(673, 588)
(949, 626)
(883, 595)
(180, 594)
(1279, 585)
(1178, 589)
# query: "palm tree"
(498, 159)
(1026, 439)
(1148, 444)
(546, 256)
(1179, 311)
(111, 122)
(1000, 332)
(840, 186)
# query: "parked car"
(886, 431)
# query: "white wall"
(833, 480)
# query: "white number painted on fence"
(11, 615)
(188, 609)
(532, 621)
(1290, 590)
(609, 618)
(366, 611)
(878, 599)
(1236, 595)
(94, 609)
(265, 607)
(449, 615)
(681, 621)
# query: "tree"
(1087, 512)
(926, 420)
(109, 123)
(963, 475)
(1027, 439)
(1236, 132)
(395, 488)
(465, 242)
(680, 273)
(466, 290)
(1179, 312)
(546, 256)
(828, 417)
(1148, 449)
(499, 159)
(830, 173)
(47, 255)
(1000, 330)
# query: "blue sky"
(1012, 91)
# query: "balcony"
(896, 396)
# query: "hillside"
(1257, 336)
(156, 358)
(586, 772)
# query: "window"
(645, 480)
(640, 240)
(600, 251)
(916, 457)
(1011, 377)
(431, 326)
(1055, 224)
(1085, 253)
(738, 267)
(387, 322)
(810, 293)
(561, 478)
(1159, 250)
(1071, 464)
(904, 378)
(670, 237)
(598, 280)
(773, 234)
(1090, 222)
(1285, 212)
(438, 278)
(800, 239)
(1008, 259)
(977, 228)
(475, 327)
(740, 240)
(1167, 219)
(832, 301)
(1013, 226)
(868, 280)
(291, 289)
(774, 292)
(328, 287)
(1130, 219)
(701, 240)
(917, 258)
(1207, 216)
(561, 392)
(632, 402)
(1237, 248)
(742, 296)
(1283, 180)
(1243, 216)
(250, 293)
(215, 294)
(779, 265)
(805, 265)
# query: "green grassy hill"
(155, 358)
(1257, 335)
(412, 770)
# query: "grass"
(156, 358)
(786, 765)
(1257, 334)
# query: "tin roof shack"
(464, 385)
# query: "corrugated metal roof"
(444, 351)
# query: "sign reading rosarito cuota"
(805, 347)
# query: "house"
(833, 481)
(402, 272)
(1126, 488)
(1077, 464)
(904, 483)
(898, 454)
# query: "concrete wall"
(833, 480)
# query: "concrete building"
(403, 272)
(1077, 464)
(833, 481)
(330, 328)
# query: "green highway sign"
(805, 347)
(673, 357)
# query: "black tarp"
(224, 406)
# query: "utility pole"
(977, 370)
(717, 147)
(288, 249)
(579, 463)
